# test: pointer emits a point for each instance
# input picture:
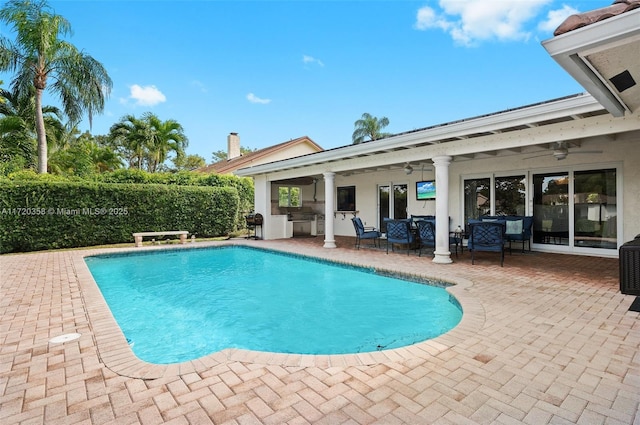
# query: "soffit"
(485, 136)
(617, 60)
(600, 50)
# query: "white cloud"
(427, 19)
(472, 21)
(311, 59)
(147, 95)
(556, 17)
(255, 99)
(199, 85)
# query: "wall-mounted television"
(426, 190)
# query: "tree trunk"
(42, 135)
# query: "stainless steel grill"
(253, 222)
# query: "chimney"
(233, 146)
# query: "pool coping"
(116, 354)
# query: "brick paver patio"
(544, 339)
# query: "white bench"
(137, 237)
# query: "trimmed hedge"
(243, 185)
(37, 215)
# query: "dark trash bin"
(630, 267)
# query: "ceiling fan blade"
(551, 154)
(537, 156)
(574, 152)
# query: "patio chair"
(426, 234)
(365, 232)
(455, 239)
(518, 228)
(399, 231)
(487, 236)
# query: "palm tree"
(129, 137)
(166, 136)
(103, 158)
(17, 138)
(39, 56)
(368, 129)
(146, 141)
(17, 127)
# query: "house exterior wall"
(293, 151)
(623, 153)
(520, 141)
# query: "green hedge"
(243, 185)
(37, 215)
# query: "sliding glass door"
(595, 209)
(391, 204)
(573, 208)
(578, 208)
(551, 208)
(495, 195)
(477, 198)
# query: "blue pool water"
(179, 305)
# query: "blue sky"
(277, 70)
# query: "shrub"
(37, 215)
(243, 185)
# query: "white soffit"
(596, 53)
(533, 116)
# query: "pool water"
(183, 304)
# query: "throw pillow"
(514, 227)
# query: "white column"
(442, 253)
(329, 208)
(262, 205)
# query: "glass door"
(595, 209)
(383, 207)
(551, 208)
(391, 204)
(477, 198)
(510, 194)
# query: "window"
(510, 195)
(346, 198)
(289, 196)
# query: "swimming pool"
(179, 305)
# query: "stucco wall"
(622, 153)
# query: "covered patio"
(570, 163)
(545, 339)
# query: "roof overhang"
(572, 117)
(604, 58)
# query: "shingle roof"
(229, 166)
(580, 20)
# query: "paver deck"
(546, 339)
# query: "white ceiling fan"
(561, 150)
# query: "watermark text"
(93, 211)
